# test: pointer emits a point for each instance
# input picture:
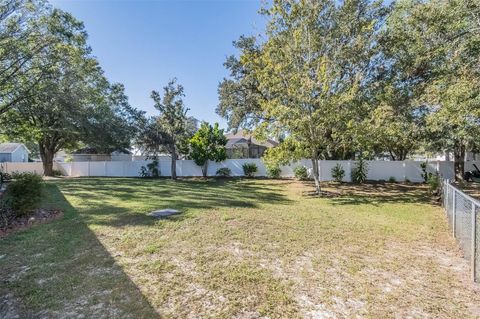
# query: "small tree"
(172, 129)
(360, 171)
(338, 173)
(208, 144)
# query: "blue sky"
(143, 44)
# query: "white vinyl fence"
(377, 170)
(463, 214)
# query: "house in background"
(244, 145)
(13, 152)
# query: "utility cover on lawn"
(164, 212)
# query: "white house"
(13, 152)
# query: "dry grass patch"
(244, 249)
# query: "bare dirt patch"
(39, 216)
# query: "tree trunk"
(47, 155)
(459, 161)
(316, 175)
(205, 169)
(174, 165)
(392, 156)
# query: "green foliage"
(360, 171)
(301, 173)
(224, 172)
(301, 81)
(5, 177)
(23, 192)
(28, 31)
(208, 144)
(433, 46)
(338, 173)
(172, 129)
(151, 170)
(273, 171)
(6, 214)
(425, 175)
(392, 179)
(434, 183)
(249, 169)
(68, 99)
(240, 96)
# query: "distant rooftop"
(242, 137)
(9, 147)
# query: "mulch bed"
(39, 216)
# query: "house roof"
(8, 148)
(242, 137)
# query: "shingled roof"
(242, 137)
(10, 147)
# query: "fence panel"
(377, 170)
(476, 247)
(463, 223)
(12, 167)
(463, 214)
(383, 170)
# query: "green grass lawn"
(242, 248)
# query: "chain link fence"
(463, 214)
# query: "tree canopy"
(311, 70)
(344, 78)
(208, 144)
(172, 129)
(69, 100)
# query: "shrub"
(223, 172)
(338, 173)
(6, 215)
(5, 177)
(392, 179)
(249, 169)
(301, 173)
(273, 171)
(360, 171)
(426, 175)
(151, 170)
(434, 183)
(24, 192)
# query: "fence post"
(454, 213)
(445, 195)
(88, 168)
(474, 241)
(319, 167)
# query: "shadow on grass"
(375, 193)
(125, 201)
(62, 269)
